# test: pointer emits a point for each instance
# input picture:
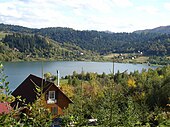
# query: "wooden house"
(55, 99)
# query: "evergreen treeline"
(103, 42)
(33, 46)
(160, 30)
(7, 54)
(119, 100)
(15, 28)
(124, 100)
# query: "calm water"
(18, 71)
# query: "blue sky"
(101, 15)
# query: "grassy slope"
(140, 59)
(2, 35)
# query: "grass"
(63, 81)
(115, 55)
(142, 59)
(168, 57)
(90, 126)
(2, 35)
(165, 124)
(127, 58)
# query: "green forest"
(28, 47)
(122, 99)
(149, 43)
(136, 99)
(19, 43)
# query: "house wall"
(59, 110)
(62, 101)
(27, 90)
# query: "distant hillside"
(159, 30)
(18, 46)
(16, 28)
(104, 42)
(101, 42)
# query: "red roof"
(5, 107)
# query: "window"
(51, 97)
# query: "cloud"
(87, 5)
(45, 13)
(77, 14)
(113, 15)
(122, 3)
(167, 6)
(7, 9)
(148, 9)
(33, 13)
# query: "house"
(55, 99)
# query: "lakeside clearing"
(127, 57)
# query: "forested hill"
(102, 42)
(160, 30)
(15, 28)
(19, 46)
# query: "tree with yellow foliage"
(131, 82)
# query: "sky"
(100, 15)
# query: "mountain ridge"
(160, 30)
(18, 28)
(101, 42)
(22, 46)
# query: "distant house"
(55, 99)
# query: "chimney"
(58, 78)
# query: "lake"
(18, 71)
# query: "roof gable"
(27, 89)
